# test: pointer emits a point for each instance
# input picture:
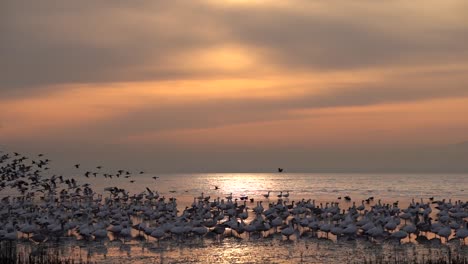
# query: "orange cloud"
(428, 122)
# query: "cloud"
(51, 43)
(166, 113)
(345, 35)
(60, 57)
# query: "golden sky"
(175, 85)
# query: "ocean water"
(320, 187)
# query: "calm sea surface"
(323, 187)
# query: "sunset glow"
(236, 75)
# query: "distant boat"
(280, 169)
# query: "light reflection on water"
(256, 250)
(321, 187)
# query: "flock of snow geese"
(48, 208)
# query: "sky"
(237, 85)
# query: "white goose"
(462, 233)
(288, 231)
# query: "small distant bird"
(141, 172)
(347, 198)
(77, 166)
(132, 181)
(155, 177)
(40, 155)
(216, 187)
(99, 167)
(280, 169)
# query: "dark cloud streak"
(218, 113)
(47, 43)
